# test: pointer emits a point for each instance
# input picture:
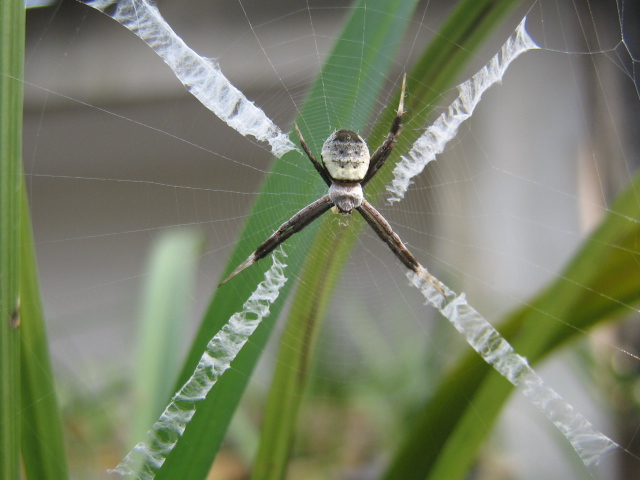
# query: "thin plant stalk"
(12, 31)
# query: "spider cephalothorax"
(346, 167)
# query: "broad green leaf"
(385, 25)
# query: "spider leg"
(319, 168)
(391, 238)
(296, 223)
(380, 156)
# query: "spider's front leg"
(296, 223)
(391, 238)
(318, 166)
(380, 156)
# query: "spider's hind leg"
(391, 238)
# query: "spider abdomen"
(345, 156)
(346, 196)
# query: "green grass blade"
(601, 281)
(168, 288)
(12, 28)
(386, 23)
(30, 415)
(43, 450)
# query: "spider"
(346, 168)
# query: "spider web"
(116, 152)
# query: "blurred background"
(117, 153)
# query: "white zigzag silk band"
(147, 457)
(434, 140)
(201, 76)
(591, 445)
